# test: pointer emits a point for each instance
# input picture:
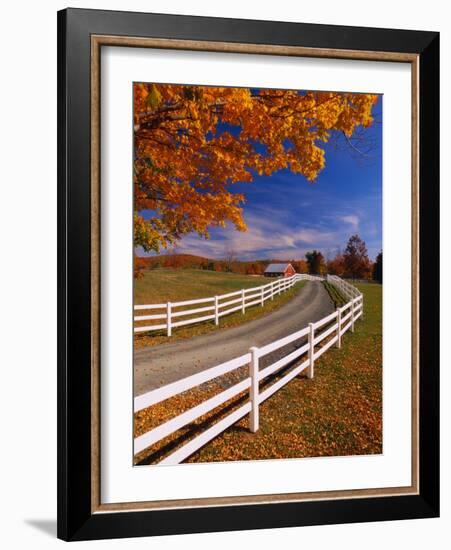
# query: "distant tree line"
(352, 263)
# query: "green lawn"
(338, 412)
(336, 296)
(162, 285)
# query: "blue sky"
(287, 216)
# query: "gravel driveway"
(159, 365)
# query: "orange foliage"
(186, 164)
(355, 259)
(336, 266)
(301, 266)
(139, 265)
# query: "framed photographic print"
(248, 274)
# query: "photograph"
(248, 272)
(257, 273)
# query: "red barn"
(279, 270)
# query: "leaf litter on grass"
(337, 413)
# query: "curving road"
(159, 365)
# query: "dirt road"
(159, 365)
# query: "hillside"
(231, 265)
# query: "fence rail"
(214, 307)
(349, 291)
(327, 331)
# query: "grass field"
(337, 413)
(335, 295)
(162, 285)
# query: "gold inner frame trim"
(97, 41)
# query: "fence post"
(339, 328)
(311, 351)
(243, 302)
(216, 311)
(261, 297)
(253, 391)
(352, 315)
(169, 320)
(272, 291)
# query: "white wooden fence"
(327, 331)
(179, 314)
(346, 289)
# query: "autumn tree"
(377, 268)
(139, 266)
(172, 259)
(336, 265)
(356, 262)
(300, 266)
(315, 261)
(230, 258)
(252, 268)
(192, 144)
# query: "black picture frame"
(76, 518)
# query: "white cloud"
(315, 237)
(351, 220)
(268, 236)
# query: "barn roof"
(276, 268)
